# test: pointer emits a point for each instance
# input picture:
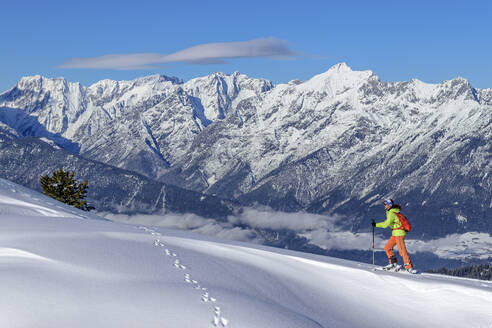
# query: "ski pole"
(372, 245)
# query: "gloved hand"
(373, 223)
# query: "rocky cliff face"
(337, 143)
(25, 159)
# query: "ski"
(392, 269)
(398, 268)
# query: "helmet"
(388, 202)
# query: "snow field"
(59, 268)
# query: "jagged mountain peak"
(214, 95)
(29, 78)
(336, 80)
(212, 78)
(38, 82)
(144, 80)
(154, 78)
(458, 88)
(218, 77)
(340, 67)
(35, 77)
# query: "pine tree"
(480, 271)
(63, 187)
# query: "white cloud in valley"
(324, 231)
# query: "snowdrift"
(60, 267)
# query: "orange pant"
(400, 242)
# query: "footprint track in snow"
(177, 264)
(158, 242)
(218, 320)
(207, 298)
(195, 284)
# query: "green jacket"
(393, 222)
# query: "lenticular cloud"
(209, 53)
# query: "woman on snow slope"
(397, 236)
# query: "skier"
(397, 237)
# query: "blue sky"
(278, 40)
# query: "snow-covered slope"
(62, 268)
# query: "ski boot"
(393, 267)
(410, 269)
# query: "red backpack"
(405, 224)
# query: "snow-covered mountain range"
(62, 267)
(337, 143)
